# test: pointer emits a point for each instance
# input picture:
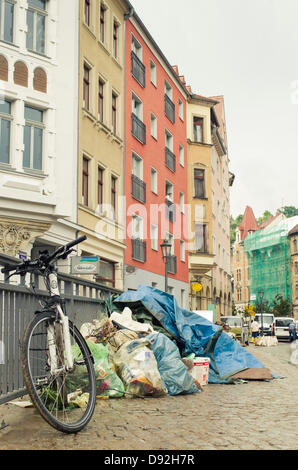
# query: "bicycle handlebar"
(43, 260)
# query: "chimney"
(175, 67)
(189, 88)
(182, 79)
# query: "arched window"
(295, 245)
(20, 76)
(3, 68)
(40, 80)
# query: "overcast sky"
(248, 52)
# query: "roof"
(294, 230)
(249, 223)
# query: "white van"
(268, 320)
(281, 327)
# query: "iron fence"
(84, 301)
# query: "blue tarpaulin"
(198, 335)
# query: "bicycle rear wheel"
(65, 398)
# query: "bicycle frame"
(55, 293)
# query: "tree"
(282, 307)
(289, 211)
(234, 223)
(264, 217)
(263, 306)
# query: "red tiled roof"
(249, 223)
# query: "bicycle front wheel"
(65, 398)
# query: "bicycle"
(57, 365)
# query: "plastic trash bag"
(171, 368)
(107, 381)
(136, 365)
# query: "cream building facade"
(101, 136)
(38, 113)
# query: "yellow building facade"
(101, 136)
(199, 155)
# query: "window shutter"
(20, 74)
(3, 69)
(40, 80)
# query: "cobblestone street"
(254, 415)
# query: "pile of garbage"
(147, 346)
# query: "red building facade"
(155, 165)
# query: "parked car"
(281, 327)
(268, 320)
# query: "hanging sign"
(85, 265)
(197, 287)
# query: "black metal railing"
(139, 250)
(172, 264)
(138, 69)
(138, 129)
(84, 301)
(170, 159)
(169, 109)
(138, 189)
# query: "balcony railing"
(169, 109)
(138, 129)
(138, 189)
(139, 250)
(172, 264)
(170, 160)
(138, 69)
(170, 210)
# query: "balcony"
(138, 129)
(170, 210)
(172, 264)
(139, 250)
(169, 109)
(138, 69)
(170, 160)
(138, 189)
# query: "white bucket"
(200, 370)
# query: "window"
(238, 274)
(154, 237)
(296, 290)
(170, 238)
(182, 198)
(169, 140)
(182, 250)
(115, 39)
(6, 20)
(36, 24)
(182, 298)
(5, 129)
(137, 107)
(3, 68)
(168, 90)
(40, 80)
(181, 155)
(239, 294)
(181, 112)
(137, 166)
(33, 138)
(100, 100)
(136, 48)
(198, 129)
(100, 176)
(153, 180)
(102, 23)
(87, 12)
(201, 238)
(153, 72)
(295, 245)
(113, 193)
(137, 227)
(106, 274)
(199, 183)
(153, 126)
(20, 74)
(296, 267)
(114, 113)
(85, 181)
(169, 191)
(86, 87)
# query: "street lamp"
(261, 295)
(166, 248)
